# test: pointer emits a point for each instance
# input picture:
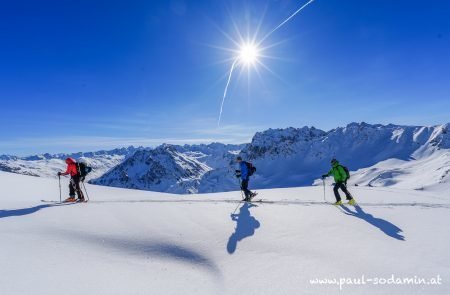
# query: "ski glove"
(59, 173)
(324, 176)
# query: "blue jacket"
(244, 170)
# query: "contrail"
(286, 20)
(226, 90)
(262, 40)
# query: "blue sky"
(86, 75)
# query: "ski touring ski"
(62, 202)
(343, 204)
(254, 194)
(51, 201)
(261, 201)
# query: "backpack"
(251, 169)
(347, 172)
(83, 169)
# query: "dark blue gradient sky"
(84, 75)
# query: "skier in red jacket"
(74, 185)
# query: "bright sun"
(248, 53)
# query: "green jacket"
(338, 173)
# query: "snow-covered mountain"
(47, 165)
(379, 155)
(384, 155)
(170, 168)
(414, 157)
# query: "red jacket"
(71, 167)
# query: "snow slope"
(424, 173)
(292, 157)
(138, 242)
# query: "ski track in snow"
(281, 202)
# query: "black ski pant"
(343, 187)
(74, 187)
(244, 188)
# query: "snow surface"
(139, 242)
(424, 173)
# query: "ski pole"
(242, 198)
(324, 191)
(59, 178)
(87, 195)
(236, 207)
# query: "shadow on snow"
(385, 226)
(151, 249)
(245, 227)
(27, 211)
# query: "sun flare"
(248, 53)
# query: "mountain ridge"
(377, 154)
(288, 157)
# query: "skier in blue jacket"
(243, 173)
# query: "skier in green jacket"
(340, 179)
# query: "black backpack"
(347, 172)
(83, 169)
(250, 168)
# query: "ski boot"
(352, 202)
(249, 197)
(70, 200)
(338, 203)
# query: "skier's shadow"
(25, 211)
(245, 226)
(385, 226)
